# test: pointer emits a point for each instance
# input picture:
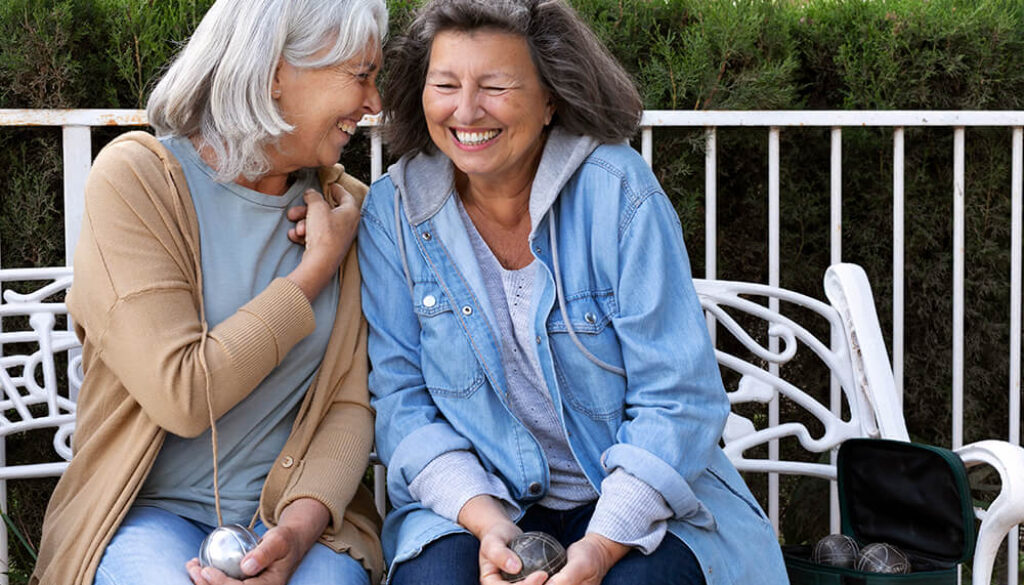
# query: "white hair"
(219, 85)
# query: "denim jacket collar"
(426, 181)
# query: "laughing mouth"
(474, 138)
(347, 127)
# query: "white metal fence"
(77, 148)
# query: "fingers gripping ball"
(880, 557)
(225, 547)
(837, 550)
(538, 552)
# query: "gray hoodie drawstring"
(561, 301)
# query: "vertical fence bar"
(711, 204)
(898, 206)
(77, 161)
(773, 305)
(647, 145)
(376, 155)
(836, 184)
(710, 215)
(1016, 229)
(836, 238)
(4, 541)
(958, 287)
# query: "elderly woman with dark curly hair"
(204, 326)
(540, 360)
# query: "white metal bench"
(40, 375)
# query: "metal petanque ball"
(837, 550)
(224, 548)
(880, 557)
(538, 552)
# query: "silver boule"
(881, 557)
(539, 552)
(225, 547)
(838, 550)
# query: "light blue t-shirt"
(244, 246)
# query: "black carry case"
(912, 496)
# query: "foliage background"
(684, 54)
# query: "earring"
(276, 93)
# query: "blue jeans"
(152, 546)
(452, 559)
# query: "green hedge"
(684, 54)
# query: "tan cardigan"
(148, 357)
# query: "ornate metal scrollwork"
(760, 382)
(34, 392)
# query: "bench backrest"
(778, 351)
(841, 384)
(758, 338)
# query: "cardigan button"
(287, 461)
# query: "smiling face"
(324, 105)
(485, 106)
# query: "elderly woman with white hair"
(225, 364)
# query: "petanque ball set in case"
(909, 496)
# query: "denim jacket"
(616, 281)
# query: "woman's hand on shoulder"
(297, 215)
(328, 234)
(589, 560)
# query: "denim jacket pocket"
(587, 388)
(447, 359)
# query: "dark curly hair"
(592, 93)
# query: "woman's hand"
(589, 560)
(297, 215)
(485, 517)
(328, 234)
(496, 556)
(280, 550)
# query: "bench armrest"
(1006, 511)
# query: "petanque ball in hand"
(224, 548)
(538, 552)
(837, 550)
(880, 557)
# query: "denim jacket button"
(534, 488)
(538, 340)
(590, 318)
(467, 310)
(429, 301)
(426, 236)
